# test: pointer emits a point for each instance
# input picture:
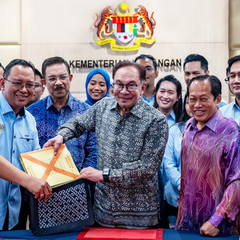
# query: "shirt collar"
(153, 96)
(69, 102)
(137, 109)
(211, 123)
(235, 104)
(6, 108)
(172, 114)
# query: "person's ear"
(2, 83)
(144, 86)
(179, 96)
(43, 81)
(218, 100)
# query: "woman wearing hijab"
(97, 86)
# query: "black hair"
(145, 56)
(215, 83)
(54, 60)
(15, 62)
(227, 71)
(177, 107)
(232, 60)
(37, 73)
(197, 58)
(140, 68)
(184, 116)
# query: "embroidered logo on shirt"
(2, 128)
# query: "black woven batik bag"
(68, 208)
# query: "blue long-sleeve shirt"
(49, 119)
(172, 164)
(232, 110)
(171, 121)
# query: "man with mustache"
(57, 108)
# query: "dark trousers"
(24, 212)
(19, 226)
(170, 210)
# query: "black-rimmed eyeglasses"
(129, 87)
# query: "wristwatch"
(106, 172)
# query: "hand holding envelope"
(56, 142)
(39, 188)
(86, 173)
(55, 169)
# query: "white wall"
(43, 28)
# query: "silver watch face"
(106, 171)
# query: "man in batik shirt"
(131, 139)
(210, 181)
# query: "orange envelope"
(55, 169)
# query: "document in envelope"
(55, 169)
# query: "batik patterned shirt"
(132, 147)
(210, 182)
(49, 119)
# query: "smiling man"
(210, 180)
(150, 65)
(131, 138)
(195, 65)
(57, 108)
(18, 134)
(232, 110)
(39, 88)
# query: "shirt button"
(14, 136)
(13, 151)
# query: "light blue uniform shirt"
(222, 103)
(171, 122)
(172, 164)
(171, 119)
(231, 110)
(150, 100)
(17, 135)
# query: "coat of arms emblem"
(2, 128)
(125, 27)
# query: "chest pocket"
(26, 143)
